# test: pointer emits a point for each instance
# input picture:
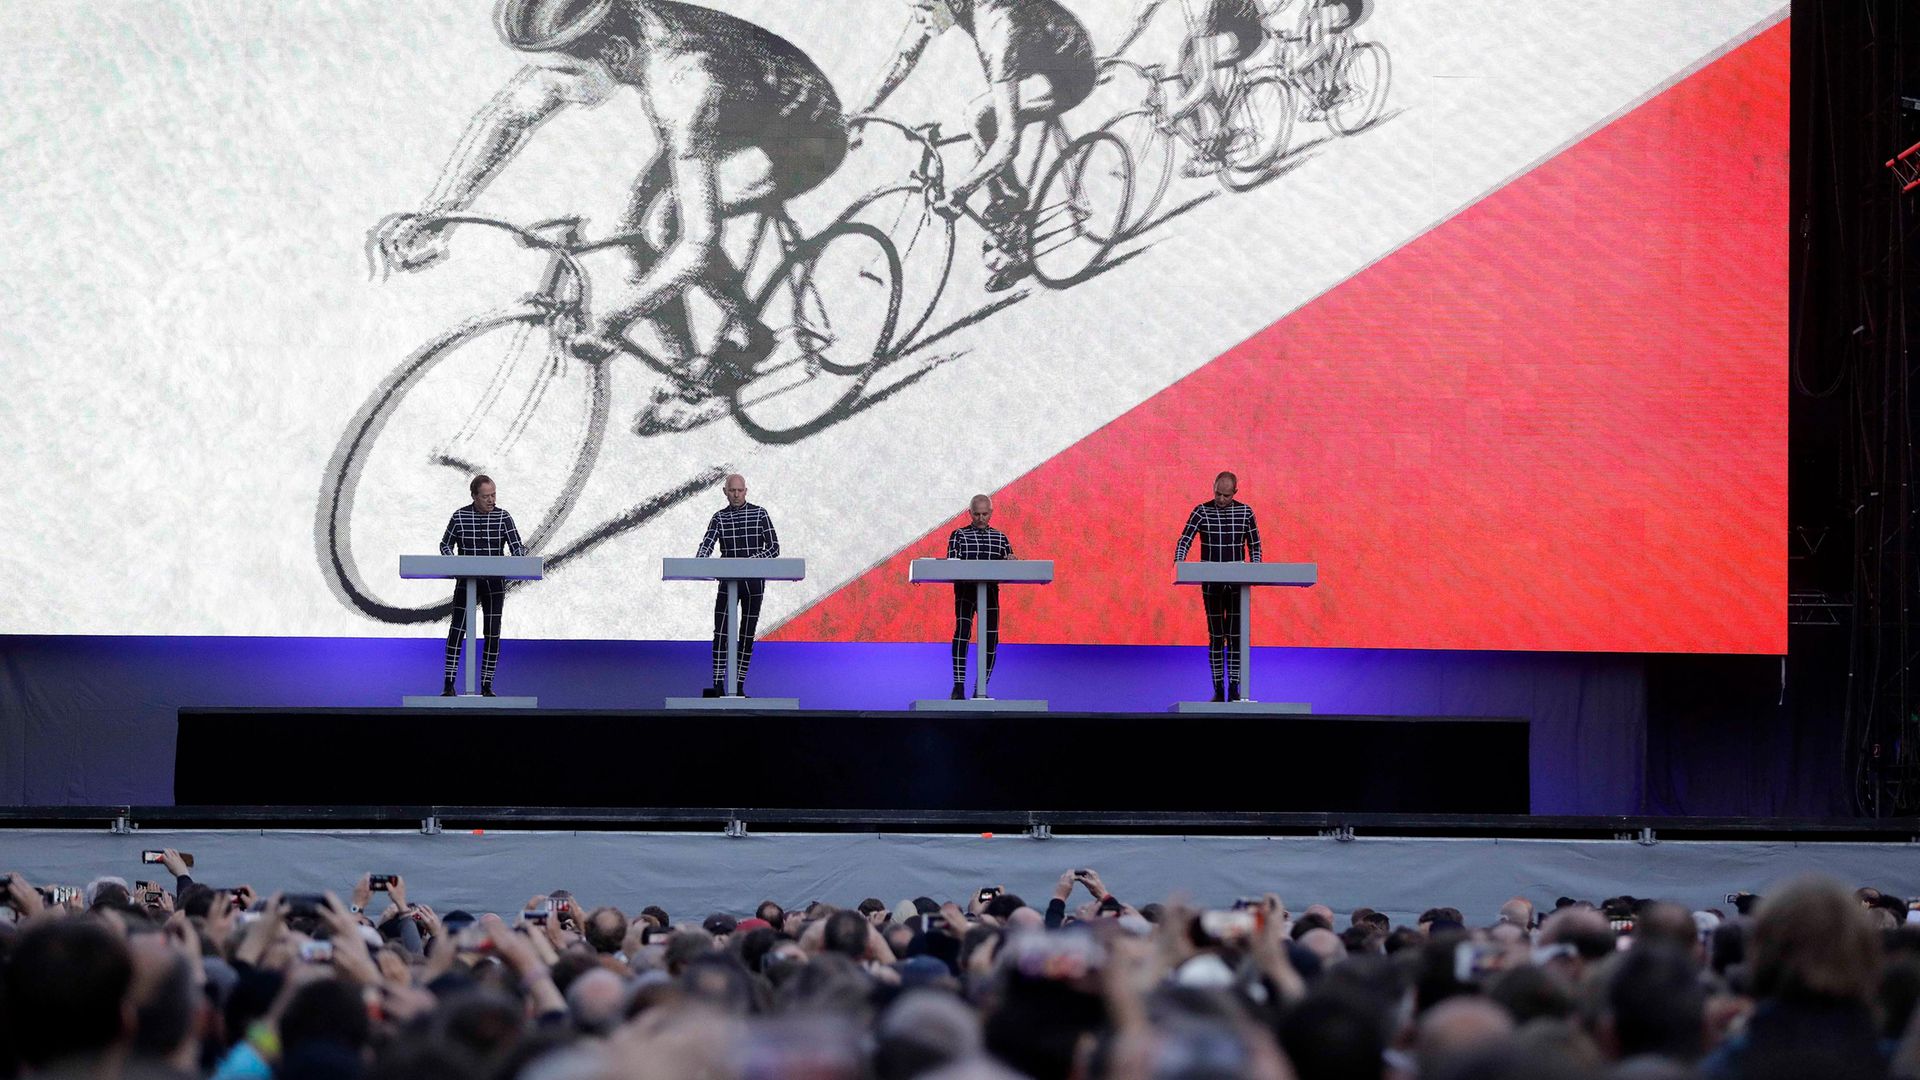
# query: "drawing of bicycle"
(507, 392)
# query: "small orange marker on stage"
(986, 836)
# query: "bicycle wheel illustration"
(1151, 147)
(496, 395)
(1362, 81)
(1080, 210)
(922, 239)
(1260, 117)
(832, 304)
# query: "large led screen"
(1484, 302)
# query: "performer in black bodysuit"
(976, 541)
(481, 528)
(1227, 533)
(742, 531)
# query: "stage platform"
(1104, 763)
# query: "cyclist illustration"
(1220, 35)
(1320, 26)
(742, 121)
(1039, 63)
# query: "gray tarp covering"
(691, 874)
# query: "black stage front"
(851, 760)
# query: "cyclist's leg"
(652, 216)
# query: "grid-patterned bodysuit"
(745, 532)
(976, 542)
(476, 533)
(1227, 534)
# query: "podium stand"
(732, 572)
(1247, 576)
(981, 573)
(470, 568)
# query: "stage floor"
(895, 761)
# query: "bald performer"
(976, 540)
(742, 531)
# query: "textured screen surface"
(1484, 302)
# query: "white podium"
(470, 568)
(980, 573)
(1247, 576)
(732, 572)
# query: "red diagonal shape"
(1557, 421)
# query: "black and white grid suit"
(742, 533)
(470, 532)
(1227, 534)
(976, 542)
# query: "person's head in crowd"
(688, 943)
(1531, 993)
(485, 1022)
(1325, 944)
(597, 1001)
(1899, 990)
(324, 1031)
(1447, 915)
(1518, 912)
(874, 910)
(605, 930)
(1363, 938)
(846, 933)
(167, 1000)
(979, 949)
(770, 911)
(1003, 905)
(1456, 1028)
(1811, 941)
(1572, 938)
(1404, 937)
(1311, 920)
(66, 992)
(921, 1031)
(827, 983)
(1655, 1004)
(1334, 1036)
(719, 982)
(1667, 922)
(656, 915)
(719, 924)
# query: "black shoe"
(1233, 692)
(959, 692)
(447, 691)
(486, 690)
(1219, 691)
(711, 691)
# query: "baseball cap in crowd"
(904, 910)
(720, 923)
(747, 926)
(925, 905)
(457, 920)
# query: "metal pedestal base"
(978, 705)
(468, 701)
(753, 704)
(1249, 708)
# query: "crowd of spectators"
(117, 980)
